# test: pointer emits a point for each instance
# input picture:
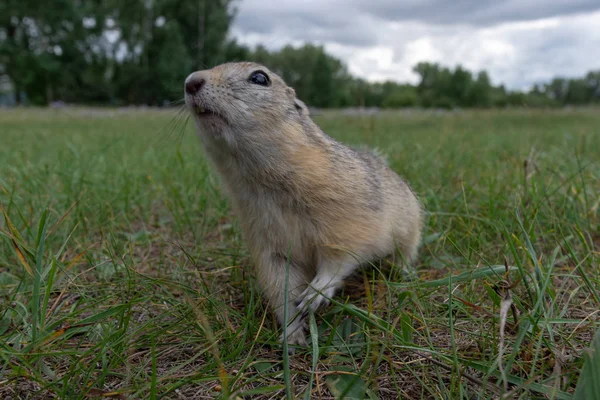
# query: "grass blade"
(314, 336)
(39, 266)
(588, 386)
(496, 271)
(286, 355)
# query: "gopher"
(311, 209)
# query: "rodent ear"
(301, 107)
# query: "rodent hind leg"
(330, 277)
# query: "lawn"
(123, 273)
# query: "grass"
(123, 273)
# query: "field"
(123, 273)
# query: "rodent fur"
(302, 198)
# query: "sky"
(519, 42)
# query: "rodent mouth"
(204, 112)
(201, 111)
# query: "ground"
(123, 273)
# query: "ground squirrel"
(304, 201)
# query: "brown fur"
(303, 199)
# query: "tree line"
(139, 52)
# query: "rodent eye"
(260, 78)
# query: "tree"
(173, 60)
(37, 43)
(557, 89)
(399, 96)
(233, 51)
(578, 92)
(436, 87)
(479, 93)
(322, 81)
(592, 80)
(62, 50)
(460, 87)
(498, 96)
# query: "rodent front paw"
(314, 299)
(295, 338)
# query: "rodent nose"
(194, 84)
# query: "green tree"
(233, 51)
(538, 97)
(479, 93)
(459, 88)
(61, 50)
(578, 92)
(557, 89)
(498, 96)
(38, 42)
(592, 80)
(516, 99)
(436, 87)
(322, 81)
(173, 60)
(400, 96)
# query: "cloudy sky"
(519, 42)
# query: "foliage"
(130, 52)
(139, 52)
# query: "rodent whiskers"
(176, 125)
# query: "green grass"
(122, 269)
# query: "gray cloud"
(519, 42)
(473, 12)
(323, 22)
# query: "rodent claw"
(295, 338)
(312, 299)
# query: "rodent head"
(241, 98)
